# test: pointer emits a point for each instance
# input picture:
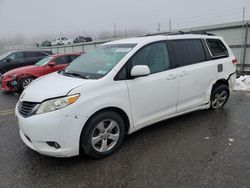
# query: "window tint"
(155, 56)
(34, 54)
(187, 52)
(41, 54)
(217, 48)
(62, 60)
(122, 75)
(16, 55)
(73, 57)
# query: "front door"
(153, 97)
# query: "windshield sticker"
(123, 49)
(101, 72)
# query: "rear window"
(217, 48)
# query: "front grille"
(26, 108)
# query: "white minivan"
(121, 87)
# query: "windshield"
(43, 61)
(99, 62)
(4, 55)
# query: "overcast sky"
(55, 17)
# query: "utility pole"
(115, 33)
(170, 24)
(159, 27)
(243, 15)
(242, 47)
(126, 33)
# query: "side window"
(187, 52)
(155, 56)
(73, 57)
(217, 48)
(122, 75)
(30, 54)
(196, 51)
(34, 54)
(16, 55)
(40, 54)
(61, 60)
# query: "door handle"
(171, 77)
(184, 73)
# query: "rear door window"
(187, 52)
(217, 48)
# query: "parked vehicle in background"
(121, 87)
(15, 59)
(19, 78)
(46, 43)
(61, 41)
(81, 39)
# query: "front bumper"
(58, 126)
(8, 84)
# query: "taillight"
(234, 61)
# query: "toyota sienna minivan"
(121, 87)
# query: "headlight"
(56, 104)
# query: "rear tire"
(102, 135)
(219, 96)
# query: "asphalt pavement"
(200, 149)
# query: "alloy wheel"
(26, 82)
(219, 99)
(105, 135)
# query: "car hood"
(21, 70)
(51, 86)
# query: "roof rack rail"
(191, 32)
(180, 33)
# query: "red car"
(18, 79)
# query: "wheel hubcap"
(26, 82)
(105, 135)
(219, 99)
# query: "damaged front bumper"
(8, 84)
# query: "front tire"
(24, 82)
(219, 96)
(102, 135)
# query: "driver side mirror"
(51, 64)
(140, 71)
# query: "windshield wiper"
(75, 74)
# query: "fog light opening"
(54, 144)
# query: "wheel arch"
(22, 76)
(221, 81)
(119, 111)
